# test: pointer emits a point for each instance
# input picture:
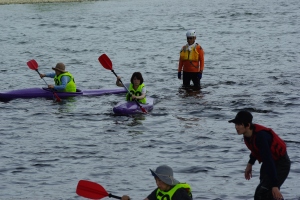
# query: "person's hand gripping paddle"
(107, 64)
(32, 64)
(92, 190)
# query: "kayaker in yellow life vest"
(167, 186)
(136, 87)
(64, 80)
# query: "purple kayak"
(47, 93)
(131, 108)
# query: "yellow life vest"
(71, 86)
(137, 92)
(162, 195)
(186, 54)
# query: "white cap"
(191, 33)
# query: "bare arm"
(248, 172)
(118, 82)
(139, 97)
(276, 193)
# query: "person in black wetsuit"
(270, 150)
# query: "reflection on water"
(132, 120)
(67, 105)
(184, 92)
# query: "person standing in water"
(191, 61)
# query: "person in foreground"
(191, 61)
(136, 87)
(64, 81)
(270, 150)
(167, 186)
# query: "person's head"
(136, 78)
(164, 178)
(59, 68)
(191, 36)
(243, 118)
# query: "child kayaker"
(136, 87)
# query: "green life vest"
(71, 86)
(137, 92)
(162, 195)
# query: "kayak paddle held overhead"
(107, 64)
(32, 64)
(92, 190)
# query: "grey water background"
(251, 62)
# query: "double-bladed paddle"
(32, 64)
(92, 190)
(107, 64)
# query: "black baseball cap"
(242, 117)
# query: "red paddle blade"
(90, 190)
(32, 64)
(105, 62)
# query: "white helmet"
(191, 33)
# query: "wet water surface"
(251, 62)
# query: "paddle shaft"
(32, 64)
(114, 196)
(40, 75)
(120, 80)
(56, 96)
(93, 190)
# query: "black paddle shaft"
(113, 196)
(120, 80)
(40, 75)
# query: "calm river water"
(252, 59)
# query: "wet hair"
(138, 75)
